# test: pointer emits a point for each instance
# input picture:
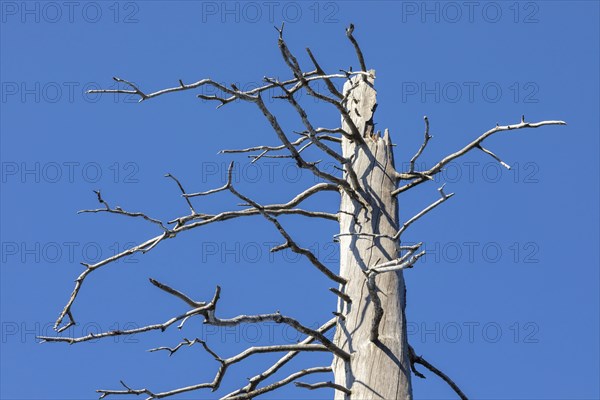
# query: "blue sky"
(506, 301)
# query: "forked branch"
(206, 310)
(419, 177)
(257, 379)
(187, 223)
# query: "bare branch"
(210, 385)
(227, 362)
(143, 247)
(415, 359)
(275, 209)
(208, 192)
(312, 135)
(278, 384)
(422, 148)
(278, 318)
(208, 312)
(290, 243)
(178, 294)
(292, 63)
(151, 243)
(246, 353)
(341, 295)
(137, 392)
(234, 95)
(266, 149)
(202, 310)
(397, 264)
(320, 71)
(321, 131)
(182, 192)
(320, 385)
(424, 211)
(426, 175)
(256, 380)
(131, 85)
(495, 157)
(359, 54)
(172, 350)
(120, 211)
(293, 151)
(181, 87)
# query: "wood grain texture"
(381, 369)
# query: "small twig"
(424, 211)
(134, 87)
(172, 350)
(422, 148)
(208, 192)
(341, 294)
(178, 294)
(398, 264)
(266, 149)
(104, 393)
(495, 157)
(120, 211)
(320, 71)
(359, 54)
(183, 193)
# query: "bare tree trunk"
(378, 369)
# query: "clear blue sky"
(507, 300)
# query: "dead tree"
(371, 355)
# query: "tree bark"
(378, 369)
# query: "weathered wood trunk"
(379, 370)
